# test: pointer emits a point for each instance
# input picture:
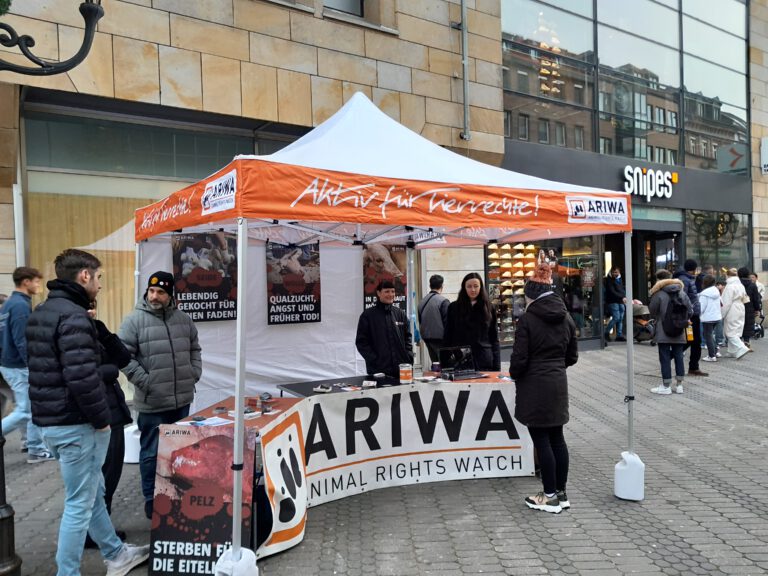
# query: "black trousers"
(553, 457)
(695, 345)
(433, 347)
(113, 464)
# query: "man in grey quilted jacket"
(165, 367)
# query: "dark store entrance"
(652, 250)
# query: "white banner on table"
(361, 441)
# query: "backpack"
(676, 315)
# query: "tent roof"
(361, 139)
(360, 172)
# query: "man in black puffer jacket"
(383, 334)
(69, 403)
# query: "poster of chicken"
(205, 274)
(293, 283)
(192, 516)
(384, 262)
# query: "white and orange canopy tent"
(361, 177)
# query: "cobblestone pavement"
(705, 511)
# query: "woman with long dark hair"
(472, 322)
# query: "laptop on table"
(457, 363)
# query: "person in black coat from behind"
(753, 307)
(114, 355)
(472, 322)
(545, 345)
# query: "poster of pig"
(384, 262)
(293, 283)
(205, 275)
(192, 516)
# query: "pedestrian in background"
(688, 277)
(472, 322)
(14, 316)
(734, 296)
(711, 315)
(615, 300)
(433, 316)
(545, 345)
(670, 346)
(752, 305)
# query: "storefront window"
(543, 27)
(646, 19)
(637, 57)
(74, 143)
(717, 238)
(713, 44)
(570, 120)
(729, 15)
(574, 263)
(714, 83)
(547, 74)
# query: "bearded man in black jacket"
(383, 334)
(69, 403)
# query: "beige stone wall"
(272, 61)
(758, 71)
(9, 142)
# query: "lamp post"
(91, 11)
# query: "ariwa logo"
(286, 478)
(219, 194)
(597, 210)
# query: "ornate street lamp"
(10, 563)
(91, 11)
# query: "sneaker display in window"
(563, 498)
(661, 389)
(541, 502)
(42, 457)
(128, 558)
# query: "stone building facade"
(292, 62)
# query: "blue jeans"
(617, 319)
(666, 353)
(80, 450)
(18, 380)
(149, 424)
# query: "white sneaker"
(661, 389)
(709, 359)
(718, 355)
(128, 558)
(678, 389)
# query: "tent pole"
(630, 340)
(629, 474)
(410, 297)
(137, 273)
(237, 464)
(238, 560)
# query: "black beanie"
(163, 280)
(540, 282)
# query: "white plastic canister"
(629, 477)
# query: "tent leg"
(629, 476)
(238, 561)
(137, 274)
